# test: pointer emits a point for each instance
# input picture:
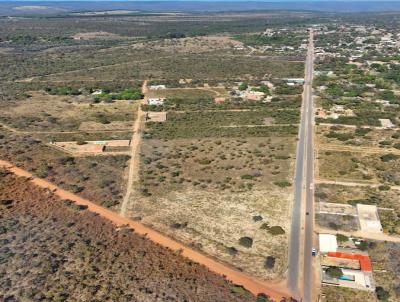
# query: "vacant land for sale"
(207, 101)
(63, 258)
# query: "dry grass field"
(360, 167)
(44, 112)
(213, 192)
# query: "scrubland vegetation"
(71, 254)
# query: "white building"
(327, 243)
(156, 101)
(157, 87)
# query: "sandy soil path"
(274, 290)
(352, 183)
(133, 173)
(360, 234)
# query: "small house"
(156, 101)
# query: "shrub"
(342, 238)
(3, 172)
(384, 188)
(257, 218)
(282, 183)
(246, 176)
(145, 192)
(66, 160)
(262, 298)
(76, 188)
(389, 157)
(42, 171)
(362, 131)
(246, 242)
(276, 230)
(269, 262)
(232, 251)
(178, 225)
(204, 161)
(238, 289)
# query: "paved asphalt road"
(303, 188)
(308, 276)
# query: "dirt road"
(274, 290)
(133, 173)
(352, 183)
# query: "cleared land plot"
(386, 201)
(229, 104)
(337, 222)
(156, 116)
(89, 257)
(213, 192)
(65, 113)
(342, 294)
(97, 179)
(94, 146)
(199, 66)
(187, 93)
(190, 45)
(358, 167)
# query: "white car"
(313, 252)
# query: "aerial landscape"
(200, 151)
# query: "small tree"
(381, 293)
(334, 272)
(243, 86)
(246, 242)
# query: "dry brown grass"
(214, 206)
(342, 294)
(44, 112)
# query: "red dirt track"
(255, 286)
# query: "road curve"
(252, 284)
